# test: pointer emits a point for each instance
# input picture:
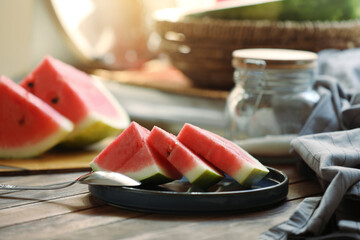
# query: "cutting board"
(54, 160)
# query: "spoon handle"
(45, 187)
(96, 178)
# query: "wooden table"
(73, 213)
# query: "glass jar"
(272, 98)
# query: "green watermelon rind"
(258, 172)
(254, 177)
(152, 174)
(33, 150)
(207, 179)
(156, 177)
(95, 167)
(249, 174)
(203, 176)
(90, 132)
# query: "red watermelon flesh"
(28, 126)
(130, 154)
(74, 94)
(224, 154)
(156, 171)
(193, 167)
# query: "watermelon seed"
(169, 150)
(30, 84)
(21, 120)
(55, 100)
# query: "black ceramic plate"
(180, 197)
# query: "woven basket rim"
(223, 30)
(203, 36)
(241, 22)
(219, 27)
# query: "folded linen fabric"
(343, 65)
(329, 144)
(335, 111)
(335, 158)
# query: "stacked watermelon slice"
(56, 104)
(82, 99)
(131, 155)
(158, 157)
(28, 126)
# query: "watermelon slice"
(195, 169)
(82, 99)
(224, 154)
(28, 126)
(130, 154)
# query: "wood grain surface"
(73, 213)
(54, 160)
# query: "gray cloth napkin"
(343, 65)
(329, 144)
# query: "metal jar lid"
(275, 58)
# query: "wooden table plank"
(33, 209)
(45, 209)
(106, 222)
(66, 222)
(13, 199)
(30, 200)
(158, 226)
(73, 213)
(10, 198)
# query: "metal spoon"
(93, 178)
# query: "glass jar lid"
(275, 58)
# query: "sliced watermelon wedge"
(224, 154)
(28, 125)
(194, 168)
(130, 154)
(85, 101)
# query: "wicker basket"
(202, 48)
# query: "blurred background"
(126, 34)
(167, 61)
(107, 37)
(112, 34)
